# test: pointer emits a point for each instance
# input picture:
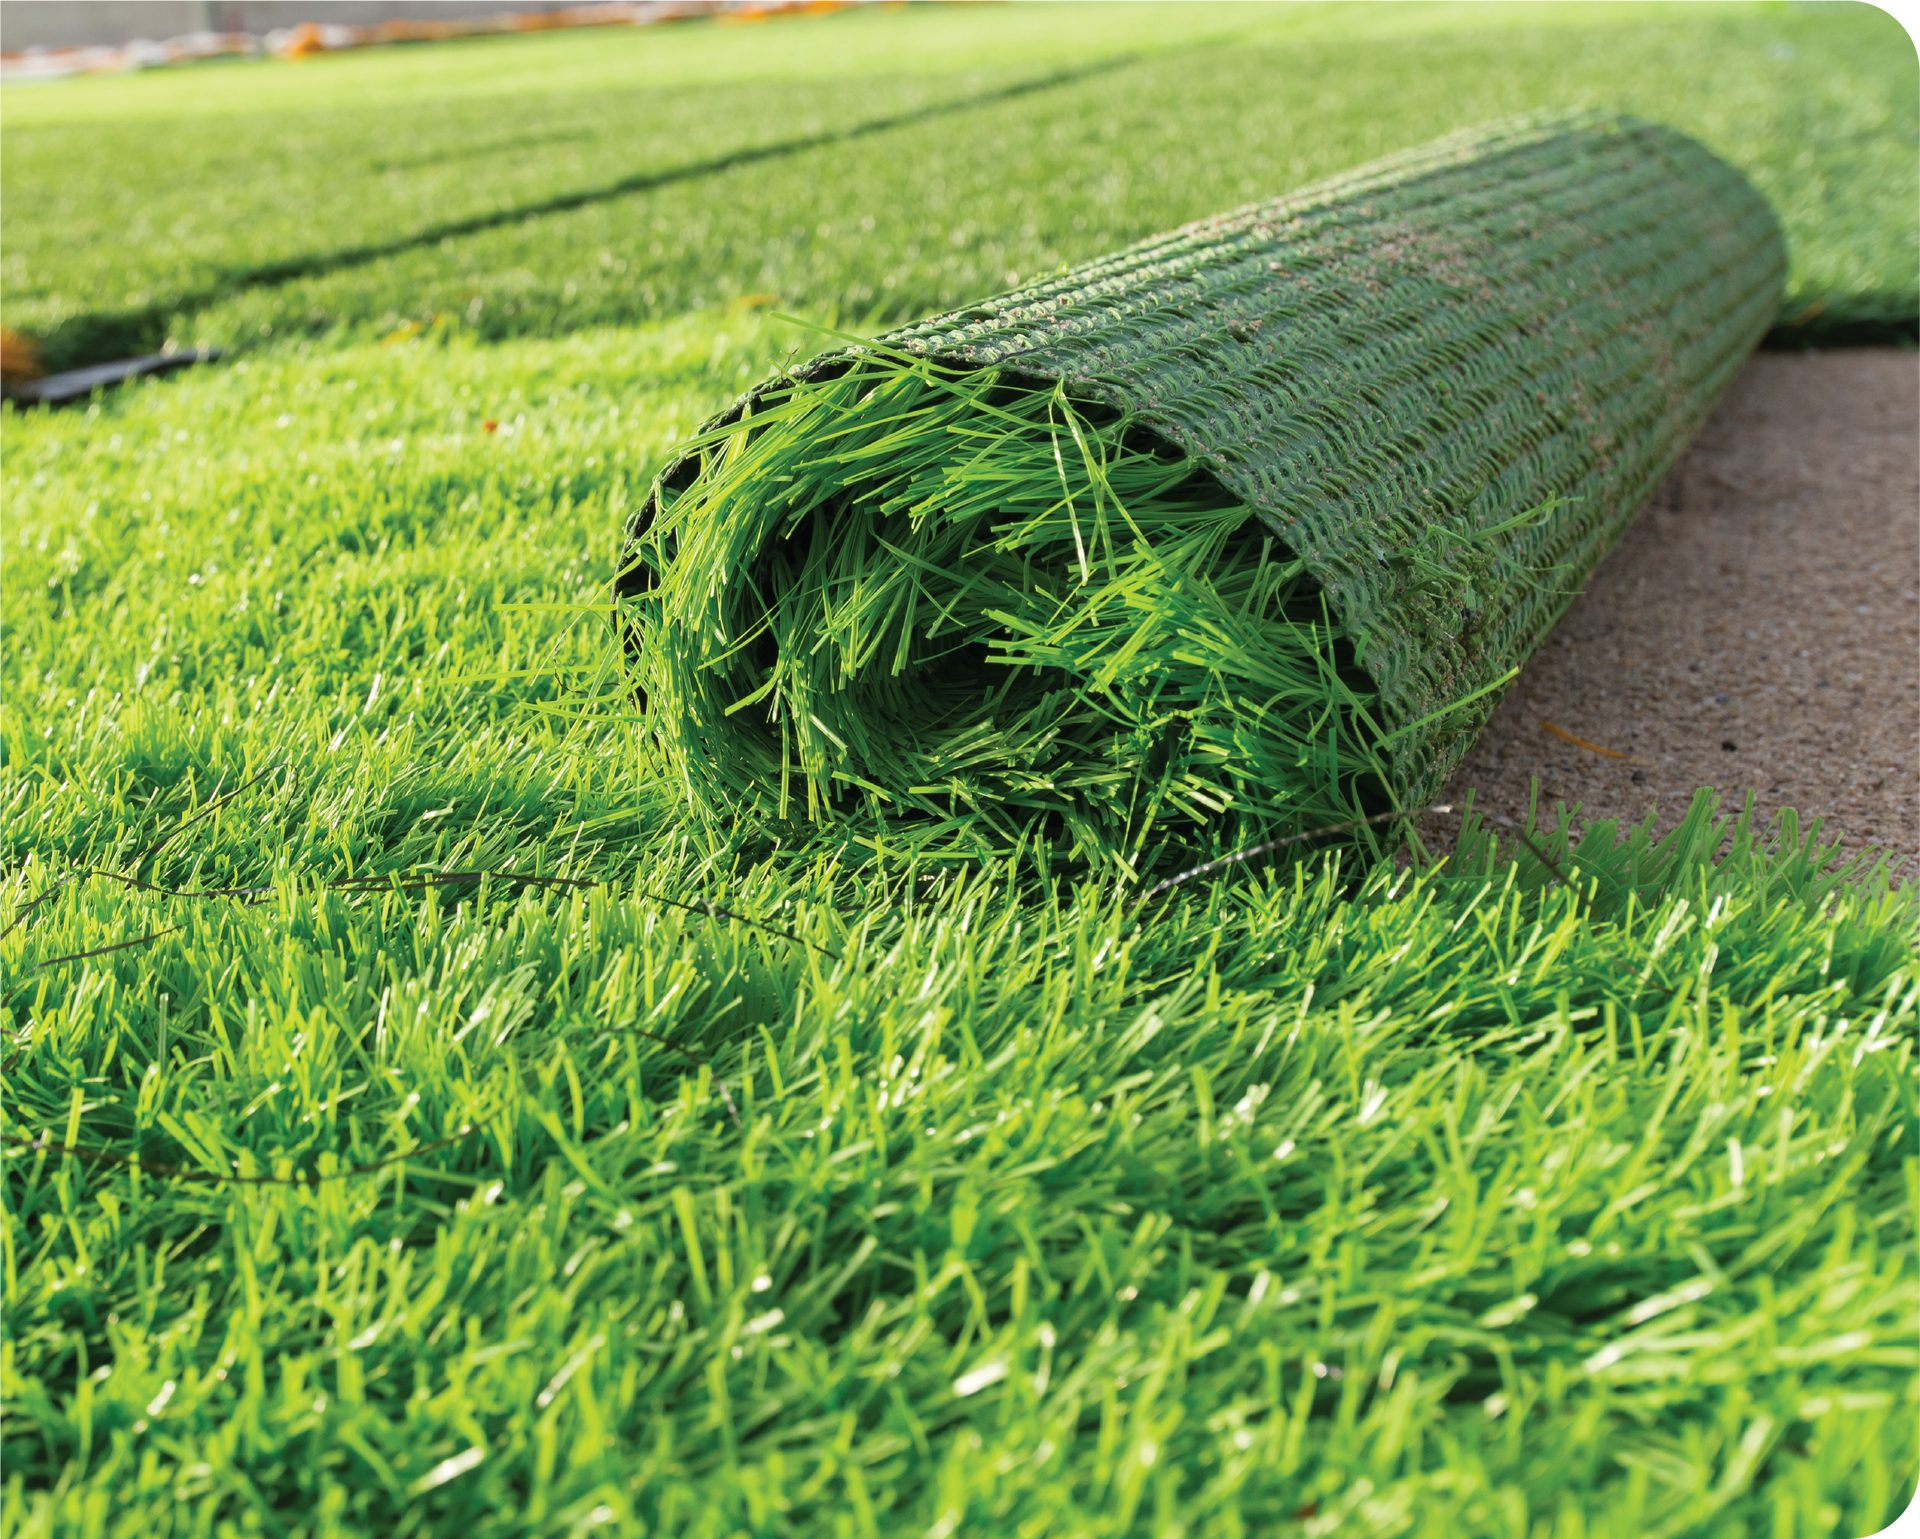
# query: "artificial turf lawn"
(1246, 526)
(1598, 1218)
(138, 210)
(1465, 1206)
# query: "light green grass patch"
(1432, 1206)
(307, 560)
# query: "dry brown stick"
(1580, 742)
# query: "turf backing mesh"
(1250, 521)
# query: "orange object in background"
(751, 13)
(308, 39)
(311, 38)
(19, 358)
(304, 43)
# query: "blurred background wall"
(88, 23)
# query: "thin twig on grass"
(213, 806)
(100, 951)
(1580, 742)
(1254, 851)
(399, 883)
(206, 811)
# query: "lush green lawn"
(978, 1202)
(229, 205)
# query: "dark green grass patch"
(118, 272)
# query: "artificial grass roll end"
(965, 598)
(1238, 533)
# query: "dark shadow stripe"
(1890, 319)
(102, 335)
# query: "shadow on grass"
(108, 334)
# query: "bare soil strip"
(1758, 628)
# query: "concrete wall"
(72, 23)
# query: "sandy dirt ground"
(1757, 629)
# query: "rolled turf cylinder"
(1238, 532)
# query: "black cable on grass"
(80, 956)
(101, 1155)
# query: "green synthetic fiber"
(964, 599)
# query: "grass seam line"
(272, 275)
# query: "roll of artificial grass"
(1237, 532)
